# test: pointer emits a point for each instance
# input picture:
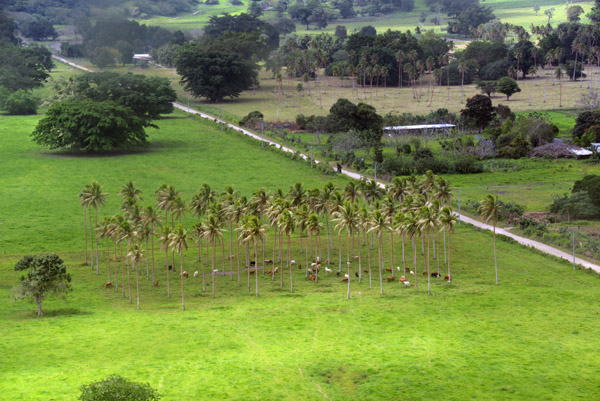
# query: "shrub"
(467, 165)
(422, 153)
(251, 119)
(20, 103)
(117, 388)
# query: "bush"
(422, 153)
(301, 120)
(117, 388)
(251, 119)
(467, 165)
(495, 70)
(20, 103)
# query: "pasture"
(470, 339)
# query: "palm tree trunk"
(380, 248)
(546, 89)
(214, 262)
(223, 261)
(369, 265)
(340, 251)
(414, 246)
(306, 255)
(449, 274)
(167, 266)
(438, 251)
(122, 271)
(301, 248)
(392, 248)
(403, 256)
(86, 233)
(444, 238)
(147, 263)
(348, 262)
(237, 242)
(152, 258)
(495, 257)
(274, 248)
(116, 266)
(328, 244)
(181, 274)
(281, 260)
(137, 287)
(206, 259)
(248, 264)
(289, 256)
(128, 274)
(231, 248)
(91, 237)
(428, 266)
(256, 274)
(262, 245)
(359, 260)
(108, 257)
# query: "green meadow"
(527, 338)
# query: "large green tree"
(45, 275)
(89, 126)
(214, 74)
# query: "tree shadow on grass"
(50, 313)
(152, 147)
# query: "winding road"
(521, 240)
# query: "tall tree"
(347, 219)
(135, 254)
(178, 241)
(490, 210)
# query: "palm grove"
(332, 226)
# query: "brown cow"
(390, 278)
(107, 285)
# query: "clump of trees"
(584, 201)
(117, 388)
(44, 275)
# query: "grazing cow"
(390, 278)
(355, 257)
(293, 262)
(436, 274)
(344, 279)
(299, 265)
(215, 271)
(252, 271)
(252, 263)
(356, 274)
(407, 269)
(107, 285)
(412, 272)
(270, 272)
(185, 274)
(156, 283)
(276, 269)
(310, 271)
(448, 277)
(196, 274)
(312, 277)
(398, 268)
(338, 273)
(387, 269)
(406, 283)
(402, 279)
(268, 261)
(313, 264)
(170, 267)
(425, 272)
(365, 271)
(328, 270)
(318, 259)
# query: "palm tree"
(126, 233)
(129, 190)
(213, 233)
(558, 73)
(113, 232)
(198, 232)
(389, 210)
(314, 226)
(448, 220)
(236, 212)
(378, 224)
(363, 226)
(410, 225)
(253, 230)
(83, 197)
(287, 224)
(351, 192)
(96, 199)
(103, 231)
(135, 254)
(427, 222)
(164, 233)
(178, 241)
(301, 214)
(462, 67)
(151, 220)
(347, 219)
(490, 209)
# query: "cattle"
(406, 283)
(156, 283)
(293, 262)
(107, 285)
(299, 265)
(365, 271)
(268, 261)
(448, 277)
(170, 267)
(387, 269)
(185, 274)
(215, 271)
(344, 279)
(312, 277)
(252, 271)
(356, 274)
(402, 279)
(436, 274)
(407, 269)
(398, 268)
(276, 269)
(425, 272)
(412, 272)
(328, 270)
(313, 264)
(338, 273)
(310, 271)
(390, 278)
(196, 274)
(252, 263)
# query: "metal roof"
(418, 127)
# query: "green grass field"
(470, 339)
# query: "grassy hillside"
(40, 186)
